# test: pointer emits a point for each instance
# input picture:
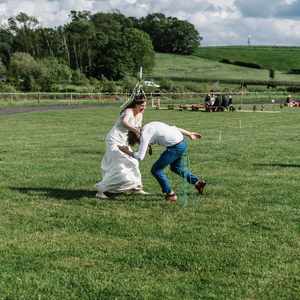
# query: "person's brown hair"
(138, 99)
(133, 139)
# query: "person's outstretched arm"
(191, 134)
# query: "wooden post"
(158, 103)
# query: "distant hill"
(269, 57)
(193, 68)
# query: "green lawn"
(240, 240)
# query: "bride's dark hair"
(138, 99)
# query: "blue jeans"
(172, 156)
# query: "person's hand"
(195, 136)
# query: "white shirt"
(157, 133)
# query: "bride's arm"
(140, 155)
(125, 122)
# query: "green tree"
(23, 27)
(97, 45)
(51, 72)
(80, 34)
(118, 48)
(141, 51)
(49, 42)
(6, 43)
(24, 70)
(182, 37)
(155, 25)
(169, 34)
(2, 69)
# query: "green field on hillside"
(185, 67)
(240, 240)
(277, 58)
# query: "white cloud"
(219, 22)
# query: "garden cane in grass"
(184, 188)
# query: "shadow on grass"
(63, 194)
(278, 165)
(68, 194)
(132, 197)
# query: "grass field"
(240, 240)
(208, 67)
(193, 66)
(277, 58)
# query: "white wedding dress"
(120, 172)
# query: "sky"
(219, 22)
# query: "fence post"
(152, 100)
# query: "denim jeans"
(172, 156)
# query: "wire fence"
(71, 98)
(163, 98)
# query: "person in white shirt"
(172, 138)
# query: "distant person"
(225, 101)
(207, 99)
(212, 100)
(288, 100)
(210, 104)
(230, 104)
(217, 104)
(230, 100)
(218, 100)
(172, 138)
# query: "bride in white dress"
(120, 173)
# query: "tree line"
(90, 47)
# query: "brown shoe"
(200, 186)
(172, 198)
